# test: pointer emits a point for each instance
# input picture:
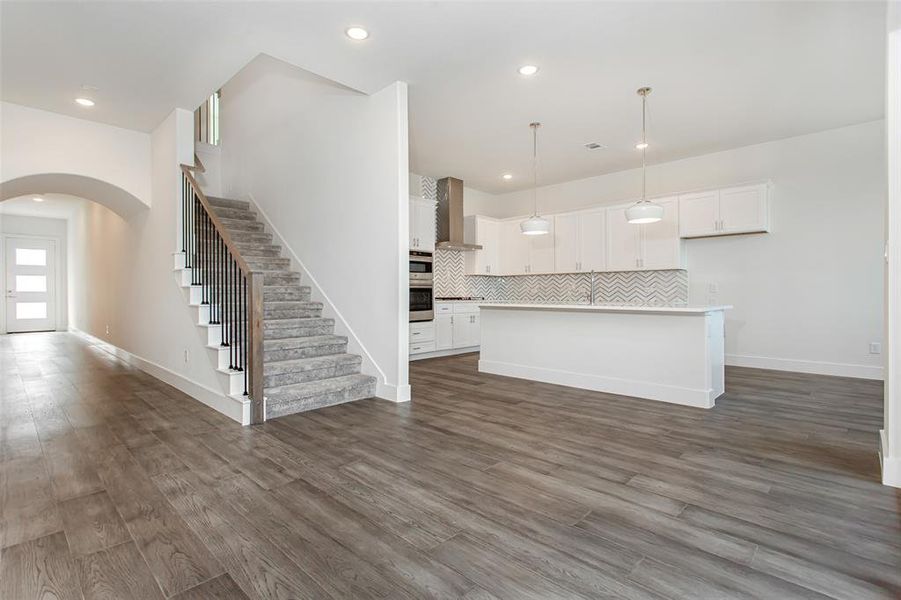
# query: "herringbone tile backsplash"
(628, 287)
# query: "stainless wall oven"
(421, 294)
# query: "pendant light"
(644, 211)
(536, 224)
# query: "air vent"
(594, 146)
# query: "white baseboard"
(394, 393)
(233, 408)
(805, 366)
(440, 353)
(891, 465)
(624, 387)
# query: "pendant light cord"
(534, 127)
(644, 147)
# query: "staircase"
(305, 365)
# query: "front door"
(30, 284)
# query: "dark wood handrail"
(217, 222)
(254, 302)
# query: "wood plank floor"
(115, 485)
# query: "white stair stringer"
(231, 381)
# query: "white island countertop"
(622, 308)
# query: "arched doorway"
(45, 266)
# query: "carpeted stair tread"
(310, 395)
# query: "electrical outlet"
(107, 329)
(713, 288)
(875, 348)
(186, 355)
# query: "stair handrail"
(217, 222)
(252, 298)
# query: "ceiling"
(725, 74)
(54, 206)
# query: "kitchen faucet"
(591, 293)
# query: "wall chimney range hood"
(450, 216)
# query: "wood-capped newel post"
(231, 290)
(255, 347)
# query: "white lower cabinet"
(456, 325)
(466, 330)
(422, 337)
(444, 331)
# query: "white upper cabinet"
(623, 241)
(644, 247)
(593, 241)
(422, 225)
(742, 209)
(412, 224)
(698, 213)
(485, 232)
(580, 242)
(541, 251)
(600, 239)
(661, 247)
(566, 243)
(522, 254)
(514, 250)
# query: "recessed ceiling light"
(357, 33)
(85, 101)
(528, 70)
(38, 199)
(507, 176)
(641, 145)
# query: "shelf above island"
(666, 353)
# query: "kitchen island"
(672, 354)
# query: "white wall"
(46, 228)
(809, 295)
(122, 273)
(890, 443)
(99, 258)
(35, 143)
(327, 166)
(210, 180)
